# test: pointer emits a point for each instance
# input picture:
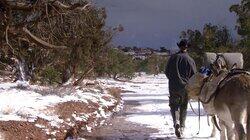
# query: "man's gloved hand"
(205, 71)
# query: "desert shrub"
(120, 64)
(50, 76)
(154, 64)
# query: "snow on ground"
(23, 102)
(151, 92)
(26, 102)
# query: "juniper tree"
(243, 26)
(66, 38)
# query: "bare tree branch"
(18, 5)
(47, 15)
(78, 6)
(3, 72)
(7, 39)
(44, 44)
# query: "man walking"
(179, 69)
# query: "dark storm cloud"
(155, 23)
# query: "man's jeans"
(178, 102)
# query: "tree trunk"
(76, 83)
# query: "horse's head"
(194, 85)
(219, 65)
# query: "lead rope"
(199, 118)
(197, 114)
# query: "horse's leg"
(227, 131)
(223, 130)
(237, 115)
(240, 131)
(248, 122)
(230, 130)
(241, 135)
(213, 133)
(214, 128)
(248, 126)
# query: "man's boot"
(177, 131)
(177, 124)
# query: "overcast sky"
(156, 23)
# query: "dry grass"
(115, 92)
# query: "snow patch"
(23, 102)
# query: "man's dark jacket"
(179, 69)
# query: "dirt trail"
(142, 103)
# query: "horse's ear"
(234, 66)
(220, 63)
(214, 68)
